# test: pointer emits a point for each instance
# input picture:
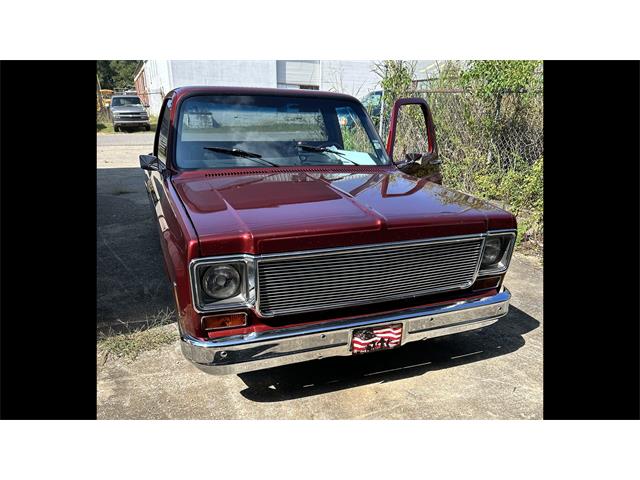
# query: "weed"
(130, 341)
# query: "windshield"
(124, 101)
(283, 131)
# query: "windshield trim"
(348, 101)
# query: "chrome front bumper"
(298, 344)
(131, 121)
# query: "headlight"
(221, 281)
(496, 253)
(492, 249)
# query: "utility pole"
(381, 121)
(99, 91)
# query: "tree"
(491, 78)
(396, 78)
(117, 74)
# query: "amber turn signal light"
(214, 322)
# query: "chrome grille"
(136, 115)
(353, 276)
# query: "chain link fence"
(507, 131)
(490, 146)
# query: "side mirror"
(413, 157)
(149, 162)
(413, 129)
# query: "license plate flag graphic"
(372, 339)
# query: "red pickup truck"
(290, 234)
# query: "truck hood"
(266, 211)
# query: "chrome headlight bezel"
(502, 264)
(246, 297)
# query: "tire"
(147, 127)
(116, 128)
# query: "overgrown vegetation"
(129, 341)
(396, 80)
(130, 345)
(488, 118)
(117, 74)
(355, 138)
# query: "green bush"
(488, 117)
(520, 188)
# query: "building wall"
(164, 75)
(158, 80)
(354, 77)
(239, 73)
(141, 87)
(298, 74)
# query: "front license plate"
(377, 338)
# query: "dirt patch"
(532, 250)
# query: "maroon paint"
(293, 209)
(431, 131)
(262, 210)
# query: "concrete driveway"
(495, 372)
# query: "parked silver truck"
(128, 111)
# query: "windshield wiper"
(236, 152)
(315, 148)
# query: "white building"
(355, 77)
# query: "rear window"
(225, 122)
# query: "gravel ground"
(495, 372)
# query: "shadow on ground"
(132, 286)
(332, 374)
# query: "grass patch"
(130, 345)
(129, 341)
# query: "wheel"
(147, 127)
(116, 128)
